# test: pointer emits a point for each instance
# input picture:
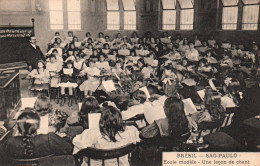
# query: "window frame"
(240, 5)
(162, 17)
(178, 16)
(49, 14)
(124, 10)
(254, 4)
(112, 11)
(80, 13)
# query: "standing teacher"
(33, 54)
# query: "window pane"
(248, 2)
(229, 18)
(56, 14)
(169, 19)
(230, 2)
(187, 17)
(56, 18)
(73, 5)
(113, 20)
(112, 5)
(128, 4)
(74, 14)
(186, 3)
(168, 4)
(55, 5)
(74, 20)
(250, 17)
(130, 20)
(57, 27)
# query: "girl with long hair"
(28, 144)
(112, 133)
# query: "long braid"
(28, 123)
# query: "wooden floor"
(25, 92)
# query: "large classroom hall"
(122, 82)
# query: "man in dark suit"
(33, 54)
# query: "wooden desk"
(9, 93)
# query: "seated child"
(91, 84)
(102, 64)
(170, 81)
(226, 61)
(40, 75)
(111, 134)
(118, 68)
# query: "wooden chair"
(103, 154)
(61, 160)
(132, 121)
(54, 89)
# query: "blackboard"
(13, 39)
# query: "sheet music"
(124, 52)
(93, 120)
(44, 125)
(77, 44)
(201, 93)
(153, 113)
(109, 85)
(111, 57)
(105, 51)
(212, 85)
(63, 44)
(227, 102)
(165, 40)
(189, 107)
(28, 102)
(67, 71)
(142, 52)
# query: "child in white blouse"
(40, 75)
(92, 83)
(112, 133)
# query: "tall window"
(229, 14)
(187, 14)
(74, 15)
(250, 14)
(129, 14)
(56, 14)
(113, 19)
(169, 14)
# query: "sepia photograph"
(129, 82)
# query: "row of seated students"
(146, 60)
(169, 75)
